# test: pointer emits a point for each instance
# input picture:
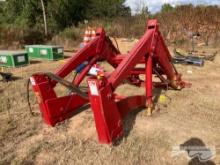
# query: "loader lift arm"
(108, 108)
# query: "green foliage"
(166, 8)
(1, 14)
(60, 13)
(145, 10)
(26, 13)
(68, 12)
(72, 33)
(109, 9)
(22, 20)
(25, 17)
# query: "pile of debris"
(6, 76)
(192, 57)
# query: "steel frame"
(108, 108)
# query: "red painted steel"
(107, 117)
(108, 108)
(148, 81)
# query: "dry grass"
(192, 112)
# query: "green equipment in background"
(48, 52)
(13, 58)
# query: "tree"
(68, 12)
(145, 11)
(45, 18)
(166, 7)
(1, 13)
(109, 9)
(59, 14)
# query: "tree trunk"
(45, 18)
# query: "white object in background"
(3, 59)
(32, 81)
(60, 50)
(93, 88)
(31, 50)
(94, 70)
(189, 71)
(21, 59)
(43, 52)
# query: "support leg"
(107, 117)
(149, 102)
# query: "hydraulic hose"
(28, 97)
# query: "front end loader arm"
(150, 45)
(55, 109)
(108, 107)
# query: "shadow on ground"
(35, 62)
(198, 152)
(130, 119)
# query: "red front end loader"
(108, 107)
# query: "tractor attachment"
(108, 107)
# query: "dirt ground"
(191, 116)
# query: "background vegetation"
(21, 22)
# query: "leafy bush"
(73, 33)
(17, 36)
(184, 20)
